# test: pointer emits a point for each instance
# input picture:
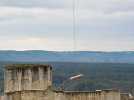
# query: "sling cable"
(74, 26)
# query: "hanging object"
(74, 25)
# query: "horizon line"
(70, 50)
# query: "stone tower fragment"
(26, 78)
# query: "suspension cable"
(74, 25)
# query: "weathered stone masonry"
(33, 82)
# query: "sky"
(101, 25)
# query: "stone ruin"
(34, 82)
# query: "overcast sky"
(102, 25)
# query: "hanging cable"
(74, 25)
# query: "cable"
(74, 25)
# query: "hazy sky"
(104, 25)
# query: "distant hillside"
(78, 56)
(97, 76)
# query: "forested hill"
(78, 56)
(96, 75)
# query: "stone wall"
(28, 95)
(101, 95)
(126, 96)
(2, 98)
(33, 82)
(58, 95)
(27, 78)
